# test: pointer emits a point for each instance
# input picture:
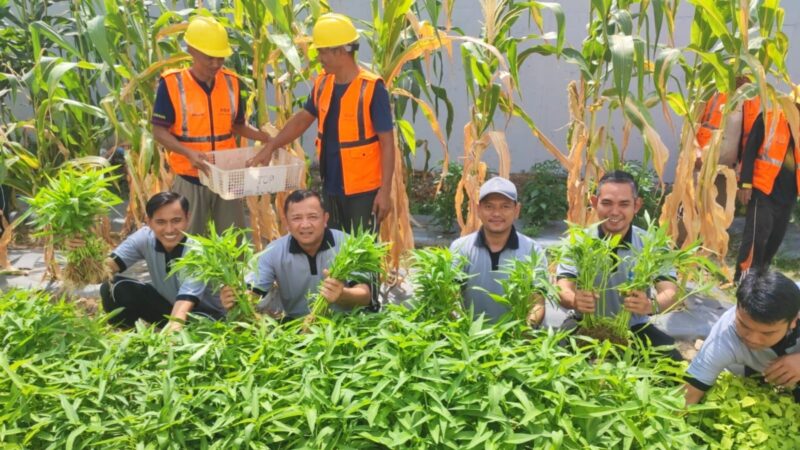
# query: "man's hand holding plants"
(784, 371)
(585, 301)
(331, 288)
(638, 303)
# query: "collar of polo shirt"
(327, 243)
(512, 242)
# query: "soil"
(603, 332)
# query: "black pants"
(349, 212)
(764, 229)
(139, 301)
(657, 338)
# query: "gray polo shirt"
(613, 300)
(485, 266)
(723, 348)
(143, 245)
(296, 273)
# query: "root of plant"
(603, 332)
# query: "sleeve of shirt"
(754, 142)
(380, 109)
(309, 106)
(715, 355)
(261, 282)
(191, 290)
(163, 112)
(131, 250)
(566, 269)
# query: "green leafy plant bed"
(388, 380)
(743, 414)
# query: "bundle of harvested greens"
(360, 258)
(69, 208)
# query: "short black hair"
(768, 297)
(298, 196)
(619, 176)
(162, 199)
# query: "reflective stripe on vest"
(203, 122)
(772, 153)
(360, 150)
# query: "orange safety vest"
(359, 147)
(203, 122)
(712, 118)
(772, 153)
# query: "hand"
(638, 303)
(174, 325)
(331, 288)
(585, 302)
(263, 157)
(535, 315)
(382, 205)
(198, 161)
(227, 297)
(74, 243)
(744, 195)
(784, 371)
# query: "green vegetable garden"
(78, 86)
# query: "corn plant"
(70, 206)
(360, 259)
(438, 276)
(527, 280)
(595, 260)
(219, 260)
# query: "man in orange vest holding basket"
(197, 110)
(768, 185)
(355, 139)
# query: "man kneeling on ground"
(496, 244)
(617, 201)
(297, 262)
(760, 332)
(159, 243)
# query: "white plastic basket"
(230, 179)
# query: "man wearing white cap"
(489, 249)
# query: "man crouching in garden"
(617, 201)
(297, 262)
(159, 243)
(760, 332)
(492, 247)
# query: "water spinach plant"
(360, 259)
(219, 260)
(70, 207)
(594, 260)
(527, 281)
(438, 276)
(659, 257)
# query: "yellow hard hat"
(207, 36)
(333, 30)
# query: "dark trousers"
(349, 212)
(657, 338)
(140, 301)
(764, 229)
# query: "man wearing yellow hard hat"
(355, 140)
(197, 110)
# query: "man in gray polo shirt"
(490, 248)
(760, 332)
(617, 201)
(159, 243)
(295, 264)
